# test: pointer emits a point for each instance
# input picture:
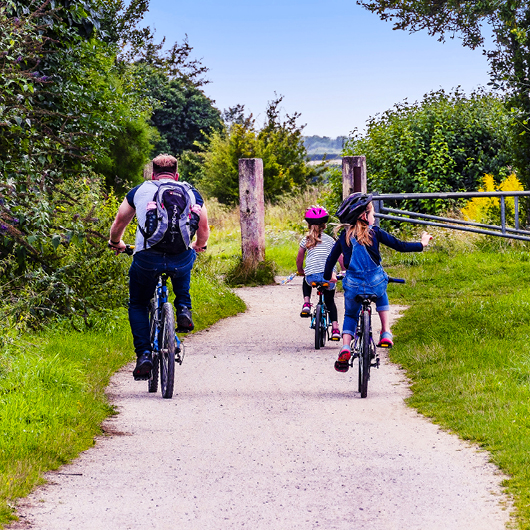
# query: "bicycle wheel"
(364, 357)
(152, 382)
(318, 327)
(167, 351)
(323, 326)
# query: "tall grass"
(284, 227)
(464, 344)
(52, 385)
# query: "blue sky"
(334, 62)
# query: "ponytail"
(314, 237)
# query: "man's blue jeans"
(143, 277)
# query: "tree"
(509, 60)
(185, 115)
(444, 143)
(279, 143)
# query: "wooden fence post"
(353, 175)
(252, 211)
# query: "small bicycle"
(167, 349)
(320, 320)
(363, 345)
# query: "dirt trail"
(263, 434)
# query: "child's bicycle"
(167, 349)
(320, 320)
(363, 345)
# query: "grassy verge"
(52, 388)
(464, 344)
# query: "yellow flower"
(480, 209)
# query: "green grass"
(52, 387)
(464, 344)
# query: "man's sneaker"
(335, 334)
(342, 364)
(144, 364)
(386, 340)
(184, 321)
(306, 310)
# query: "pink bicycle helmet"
(316, 215)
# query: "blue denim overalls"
(362, 277)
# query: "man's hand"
(196, 248)
(118, 247)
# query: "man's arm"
(203, 231)
(124, 216)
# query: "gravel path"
(263, 434)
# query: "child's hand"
(425, 239)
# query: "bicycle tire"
(323, 326)
(318, 327)
(167, 351)
(364, 358)
(152, 382)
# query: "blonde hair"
(314, 236)
(361, 231)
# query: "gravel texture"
(262, 433)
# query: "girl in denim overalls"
(359, 245)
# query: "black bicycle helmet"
(352, 207)
(316, 215)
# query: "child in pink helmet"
(317, 245)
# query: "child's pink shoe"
(386, 340)
(335, 334)
(306, 310)
(342, 364)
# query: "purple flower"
(19, 58)
(44, 78)
(3, 227)
(35, 74)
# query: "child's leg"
(383, 308)
(306, 308)
(385, 320)
(306, 290)
(329, 299)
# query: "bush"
(444, 143)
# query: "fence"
(501, 230)
(354, 178)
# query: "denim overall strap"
(361, 265)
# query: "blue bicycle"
(166, 346)
(363, 345)
(320, 320)
(167, 349)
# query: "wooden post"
(252, 210)
(148, 171)
(353, 175)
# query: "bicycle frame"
(161, 296)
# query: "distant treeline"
(318, 145)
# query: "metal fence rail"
(502, 230)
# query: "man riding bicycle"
(165, 212)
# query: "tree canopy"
(509, 57)
(279, 143)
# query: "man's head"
(165, 166)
